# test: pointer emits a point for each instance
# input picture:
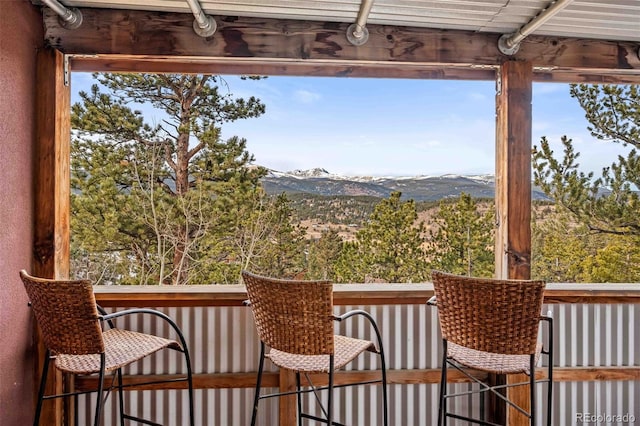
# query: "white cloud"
(541, 126)
(550, 88)
(477, 96)
(424, 145)
(305, 96)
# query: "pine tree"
(323, 254)
(462, 241)
(350, 266)
(284, 255)
(617, 261)
(559, 246)
(389, 247)
(149, 198)
(608, 203)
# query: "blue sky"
(381, 127)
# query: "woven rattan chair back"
(499, 316)
(292, 316)
(66, 313)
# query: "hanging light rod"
(510, 43)
(204, 25)
(70, 18)
(357, 33)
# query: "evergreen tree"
(608, 203)
(617, 261)
(323, 254)
(558, 249)
(150, 198)
(350, 266)
(388, 248)
(462, 241)
(284, 255)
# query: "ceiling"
(603, 20)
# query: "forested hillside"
(347, 214)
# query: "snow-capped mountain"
(319, 181)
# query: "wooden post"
(288, 405)
(513, 192)
(513, 171)
(51, 192)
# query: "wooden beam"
(51, 194)
(334, 68)
(589, 296)
(156, 41)
(289, 67)
(344, 294)
(587, 76)
(429, 376)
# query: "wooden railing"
(370, 296)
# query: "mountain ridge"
(318, 181)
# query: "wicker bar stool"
(295, 321)
(491, 326)
(71, 325)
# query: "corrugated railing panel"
(593, 335)
(223, 340)
(600, 402)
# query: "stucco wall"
(20, 35)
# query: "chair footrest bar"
(156, 382)
(319, 419)
(488, 388)
(67, 394)
(314, 389)
(139, 420)
(469, 419)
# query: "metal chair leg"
(76, 415)
(330, 401)
(442, 408)
(483, 412)
(299, 398)
(385, 405)
(256, 399)
(99, 399)
(120, 396)
(532, 389)
(550, 378)
(549, 401)
(190, 385)
(43, 382)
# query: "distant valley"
(320, 182)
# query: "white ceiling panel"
(608, 20)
